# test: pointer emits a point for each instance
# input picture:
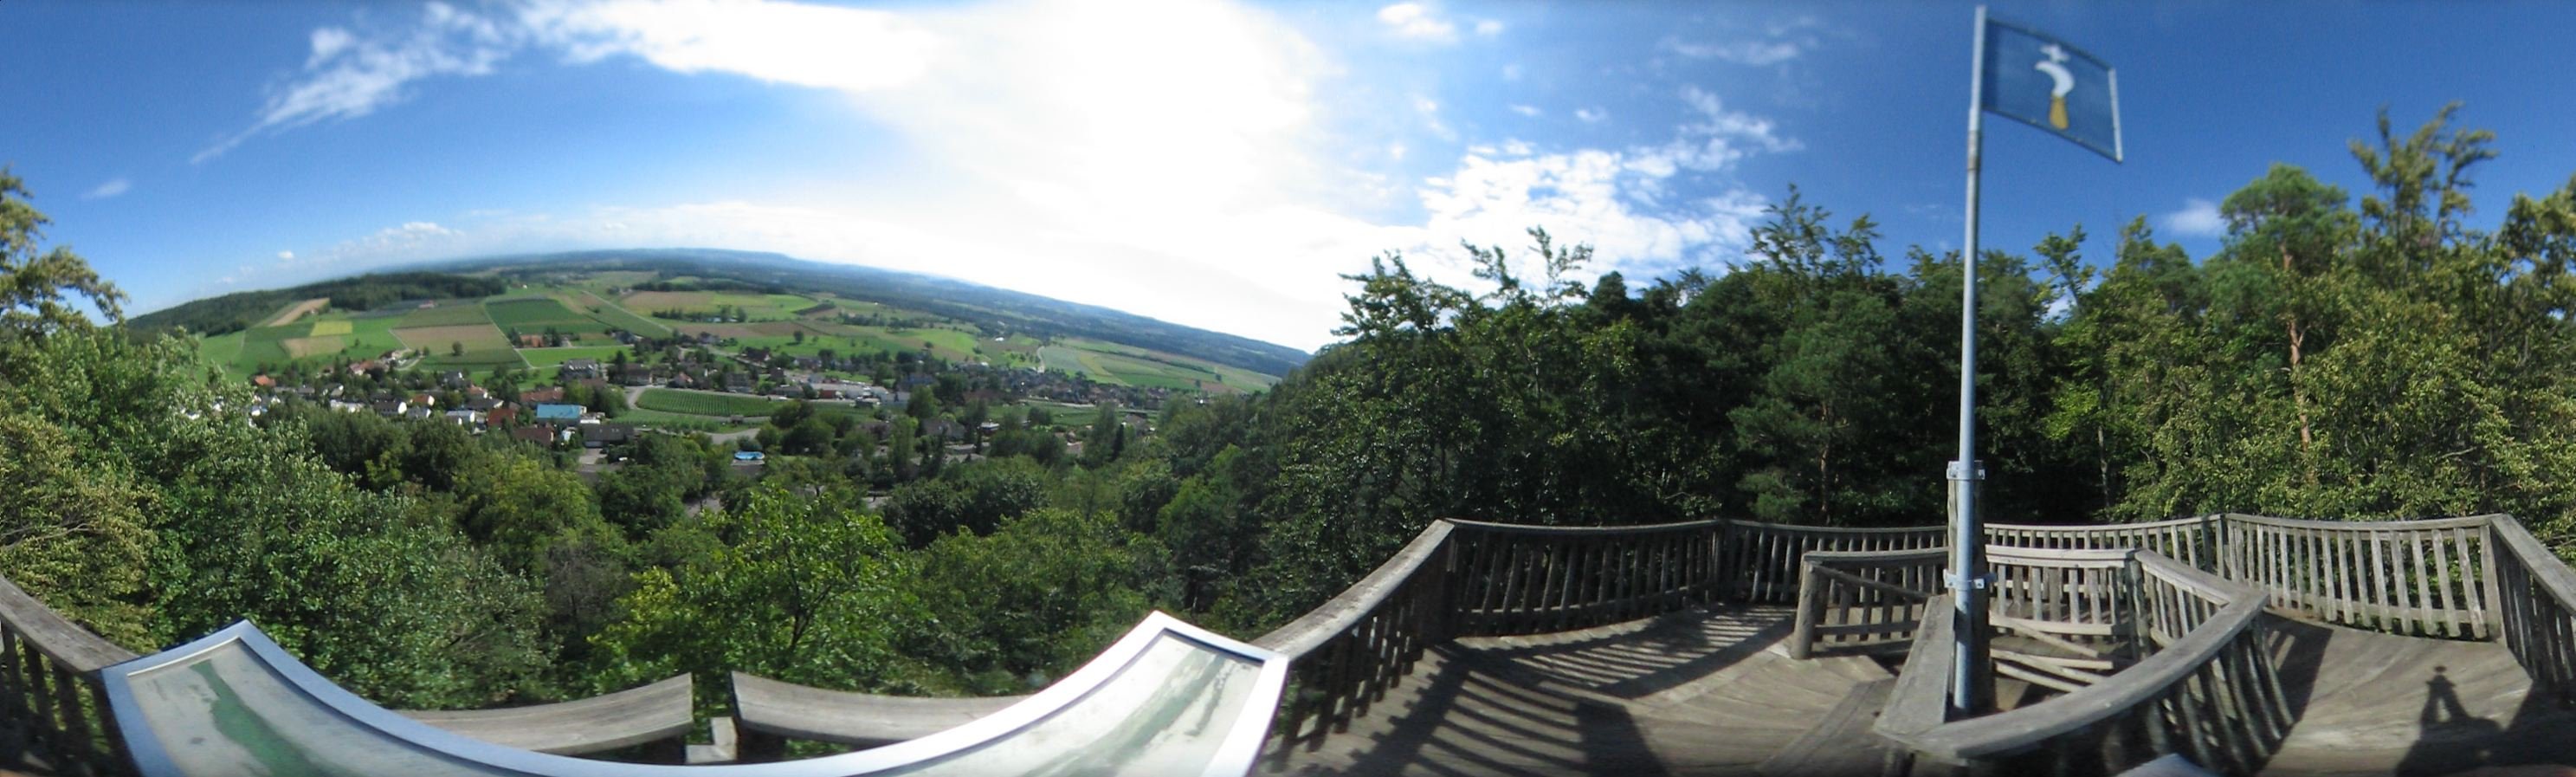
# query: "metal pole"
(1972, 678)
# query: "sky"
(1211, 163)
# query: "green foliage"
(33, 300)
(800, 588)
(1036, 598)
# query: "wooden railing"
(2210, 695)
(1536, 579)
(2535, 605)
(2192, 541)
(53, 709)
(1345, 654)
(1862, 601)
(2426, 578)
(1764, 559)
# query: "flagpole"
(1972, 671)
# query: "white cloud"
(1420, 22)
(349, 75)
(848, 49)
(1751, 52)
(2198, 218)
(113, 187)
(286, 256)
(1779, 41)
(1526, 110)
(1489, 28)
(1590, 115)
(1621, 201)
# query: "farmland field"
(308, 347)
(536, 314)
(756, 307)
(613, 315)
(548, 358)
(446, 314)
(705, 404)
(683, 421)
(296, 311)
(484, 344)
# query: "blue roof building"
(566, 413)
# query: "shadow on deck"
(1703, 692)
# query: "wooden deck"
(2379, 704)
(1713, 692)
(1704, 692)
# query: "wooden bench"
(769, 712)
(657, 715)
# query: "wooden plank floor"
(1706, 692)
(2379, 704)
(1711, 692)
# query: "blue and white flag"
(2045, 83)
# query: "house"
(364, 367)
(424, 400)
(738, 383)
(464, 417)
(683, 380)
(484, 405)
(391, 407)
(262, 380)
(604, 435)
(532, 341)
(454, 379)
(500, 416)
(580, 368)
(345, 406)
(749, 456)
(560, 413)
(537, 396)
(477, 392)
(635, 375)
(419, 412)
(540, 434)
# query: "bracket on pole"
(1950, 579)
(1959, 471)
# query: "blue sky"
(1217, 164)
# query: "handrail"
(50, 690)
(1346, 652)
(1578, 531)
(1509, 580)
(2430, 577)
(1862, 600)
(2210, 694)
(2535, 605)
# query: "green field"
(484, 344)
(446, 314)
(1127, 366)
(549, 358)
(613, 315)
(695, 403)
(534, 315)
(754, 307)
(309, 340)
(683, 421)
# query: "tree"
(804, 589)
(43, 285)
